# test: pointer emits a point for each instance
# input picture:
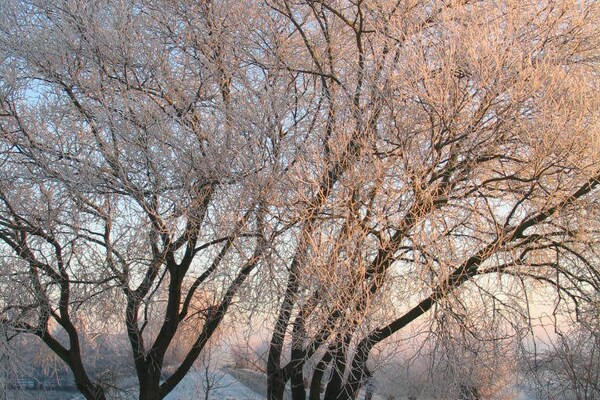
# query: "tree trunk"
(358, 369)
(317, 378)
(150, 384)
(275, 386)
(335, 385)
(297, 376)
(91, 392)
(336, 388)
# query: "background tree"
(131, 184)
(565, 365)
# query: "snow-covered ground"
(225, 387)
(236, 385)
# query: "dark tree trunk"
(72, 358)
(336, 388)
(316, 382)
(276, 377)
(150, 382)
(150, 392)
(275, 385)
(297, 375)
(358, 369)
(335, 385)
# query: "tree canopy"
(347, 167)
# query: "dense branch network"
(364, 165)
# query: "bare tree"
(453, 149)
(129, 185)
(380, 158)
(567, 366)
